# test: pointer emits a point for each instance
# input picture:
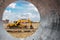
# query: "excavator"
(19, 24)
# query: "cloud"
(7, 14)
(12, 5)
(30, 15)
(7, 11)
(33, 17)
(32, 7)
(27, 15)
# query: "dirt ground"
(20, 34)
(24, 34)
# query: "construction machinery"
(22, 24)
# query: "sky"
(21, 10)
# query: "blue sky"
(21, 10)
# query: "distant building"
(6, 21)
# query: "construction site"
(23, 27)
